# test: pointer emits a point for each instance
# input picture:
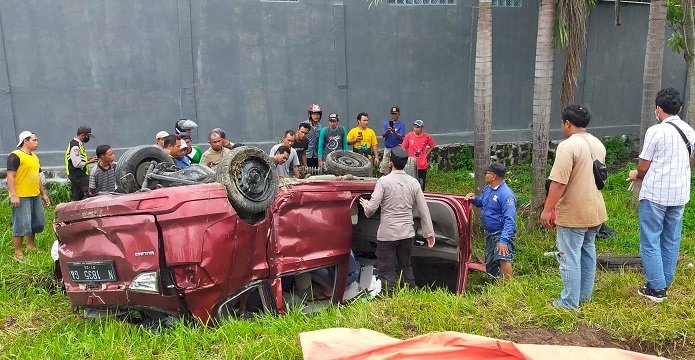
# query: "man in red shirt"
(419, 144)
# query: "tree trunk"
(653, 63)
(482, 98)
(542, 101)
(574, 14)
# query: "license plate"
(92, 271)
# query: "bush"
(617, 152)
(464, 159)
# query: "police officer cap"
(398, 152)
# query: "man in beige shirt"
(397, 194)
(579, 206)
(212, 156)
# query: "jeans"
(660, 239)
(28, 218)
(577, 257)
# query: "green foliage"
(676, 21)
(58, 192)
(464, 159)
(617, 152)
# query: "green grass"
(37, 322)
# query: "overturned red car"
(191, 250)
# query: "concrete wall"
(130, 68)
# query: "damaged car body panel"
(185, 251)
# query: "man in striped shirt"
(102, 178)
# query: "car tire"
(250, 178)
(619, 262)
(411, 167)
(132, 166)
(347, 162)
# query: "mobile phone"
(390, 123)
(359, 134)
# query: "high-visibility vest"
(68, 163)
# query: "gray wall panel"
(131, 68)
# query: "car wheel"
(132, 166)
(347, 162)
(411, 167)
(619, 262)
(250, 178)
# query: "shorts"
(492, 256)
(384, 165)
(28, 218)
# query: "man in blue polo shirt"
(498, 214)
(393, 132)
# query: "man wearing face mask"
(664, 167)
(76, 163)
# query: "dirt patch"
(9, 323)
(591, 337)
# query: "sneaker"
(651, 294)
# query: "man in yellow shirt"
(24, 186)
(363, 139)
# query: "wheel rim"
(348, 161)
(253, 179)
(141, 171)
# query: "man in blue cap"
(498, 203)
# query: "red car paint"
(204, 253)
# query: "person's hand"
(430, 240)
(358, 138)
(502, 249)
(376, 160)
(632, 175)
(469, 196)
(320, 163)
(389, 129)
(364, 202)
(546, 219)
(14, 199)
(46, 200)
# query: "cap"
(395, 109)
(84, 130)
(398, 152)
(182, 144)
(184, 136)
(498, 169)
(161, 134)
(333, 117)
(23, 135)
(419, 123)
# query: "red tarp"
(344, 343)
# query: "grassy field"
(37, 322)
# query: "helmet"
(184, 124)
(314, 108)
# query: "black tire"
(347, 162)
(250, 178)
(411, 167)
(619, 262)
(132, 166)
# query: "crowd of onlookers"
(574, 205)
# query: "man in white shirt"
(290, 168)
(664, 167)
